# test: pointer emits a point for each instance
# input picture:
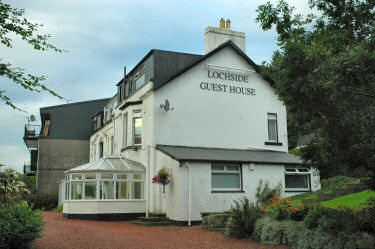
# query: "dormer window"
(138, 80)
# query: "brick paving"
(63, 233)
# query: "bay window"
(104, 186)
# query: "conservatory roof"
(109, 164)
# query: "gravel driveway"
(63, 233)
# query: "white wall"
(104, 207)
(203, 200)
(218, 119)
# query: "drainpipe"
(189, 194)
(148, 173)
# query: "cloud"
(13, 157)
(104, 36)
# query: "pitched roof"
(198, 154)
(229, 43)
(72, 121)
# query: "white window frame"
(226, 172)
(136, 114)
(125, 130)
(141, 72)
(301, 172)
(112, 145)
(69, 180)
(84, 180)
(268, 127)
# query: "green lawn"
(353, 201)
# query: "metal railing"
(32, 131)
(29, 170)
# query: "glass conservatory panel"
(107, 176)
(90, 176)
(76, 176)
(67, 190)
(122, 190)
(122, 176)
(137, 190)
(90, 190)
(77, 190)
(118, 164)
(106, 190)
(106, 165)
(138, 177)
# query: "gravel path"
(63, 233)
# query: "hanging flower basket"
(163, 177)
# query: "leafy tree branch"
(13, 22)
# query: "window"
(76, 187)
(100, 149)
(90, 186)
(137, 128)
(272, 127)
(112, 145)
(121, 96)
(104, 186)
(125, 131)
(138, 80)
(127, 90)
(226, 177)
(297, 179)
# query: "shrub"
(242, 219)
(284, 208)
(333, 221)
(337, 182)
(16, 190)
(368, 218)
(296, 235)
(59, 209)
(264, 193)
(43, 201)
(19, 225)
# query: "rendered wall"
(56, 156)
(206, 118)
(104, 207)
(203, 200)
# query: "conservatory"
(112, 187)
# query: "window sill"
(296, 191)
(227, 191)
(273, 143)
(131, 147)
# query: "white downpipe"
(148, 174)
(189, 194)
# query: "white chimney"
(214, 37)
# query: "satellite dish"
(32, 118)
(166, 106)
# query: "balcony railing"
(32, 131)
(29, 170)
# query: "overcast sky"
(102, 37)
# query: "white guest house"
(212, 121)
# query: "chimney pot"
(222, 23)
(228, 24)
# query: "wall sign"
(227, 88)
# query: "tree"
(326, 77)
(13, 22)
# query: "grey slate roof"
(72, 121)
(164, 66)
(189, 154)
(229, 43)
